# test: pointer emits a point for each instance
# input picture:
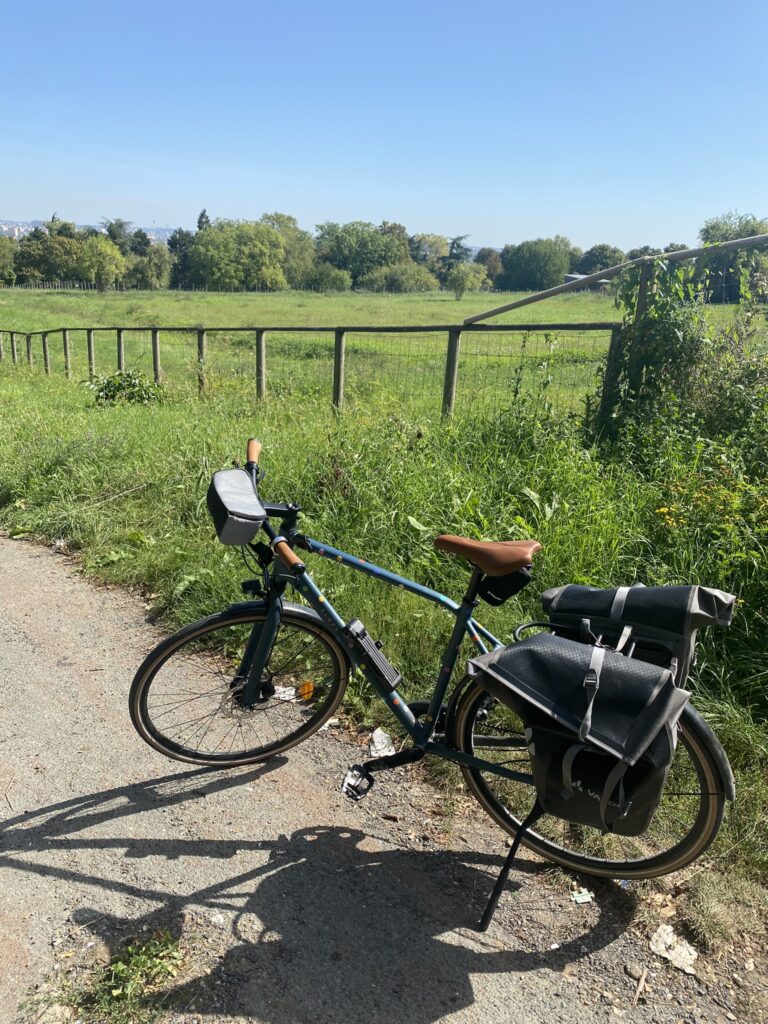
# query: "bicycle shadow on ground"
(327, 924)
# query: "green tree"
(101, 262)
(429, 251)
(238, 256)
(325, 278)
(7, 255)
(398, 242)
(118, 231)
(403, 277)
(466, 277)
(139, 243)
(491, 260)
(64, 228)
(535, 264)
(643, 250)
(676, 247)
(600, 257)
(203, 220)
(458, 252)
(44, 257)
(358, 247)
(574, 258)
(179, 244)
(299, 248)
(150, 271)
(722, 273)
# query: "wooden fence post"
(91, 354)
(67, 358)
(156, 354)
(636, 353)
(338, 368)
(261, 365)
(2, 353)
(120, 350)
(14, 349)
(29, 350)
(201, 347)
(611, 389)
(451, 370)
(46, 353)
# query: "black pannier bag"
(654, 624)
(234, 505)
(601, 727)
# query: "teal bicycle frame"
(421, 732)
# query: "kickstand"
(493, 900)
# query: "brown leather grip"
(253, 450)
(287, 555)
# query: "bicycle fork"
(258, 651)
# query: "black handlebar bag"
(601, 727)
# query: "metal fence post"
(261, 364)
(120, 350)
(46, 353)
(156, 354)
(91, 354)
(2, 353)
(14, 349)
(201, 346)
(338, 368)
(451, 370)
(67, 359)
(29, 350)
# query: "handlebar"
(280, 545)
(253, 450)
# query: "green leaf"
(417, 525)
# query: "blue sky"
(623, 122)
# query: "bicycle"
(264, 675)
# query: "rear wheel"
(684, 825)
(185, 700)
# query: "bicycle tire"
(317, 672)
(551, 837)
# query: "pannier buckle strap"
(591, 685)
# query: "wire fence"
(430, 370)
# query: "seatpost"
(470, 597)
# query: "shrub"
(130, 386)
(325, 278)
(402, 277)
(466, 277)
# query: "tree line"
(274, 253)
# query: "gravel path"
(293, 904)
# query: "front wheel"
(686, 822)
(185, 700)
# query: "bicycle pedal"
(357, 782)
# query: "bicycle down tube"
(465, 624)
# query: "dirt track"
(297, 906)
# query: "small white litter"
(380, 744)
(285, 693)
(680, 953)
(582, 896)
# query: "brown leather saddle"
(494, 558)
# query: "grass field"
(402, 369)
(125, 486)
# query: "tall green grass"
(126, 487)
